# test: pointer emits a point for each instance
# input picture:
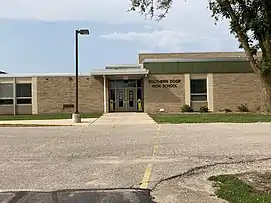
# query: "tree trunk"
(266, 92)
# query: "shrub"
(225, 110)
(187, 108)
(243, 108)
(204, 109)
(228, 110)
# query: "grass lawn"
(232, 189)
(30, 125)
(211, 118)
(44, 116)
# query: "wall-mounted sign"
(164, 83)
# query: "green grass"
(30, 125)
(44, 116)
(234, 190)
(211, 118)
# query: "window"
(139, 83)
(6, 94)
(198, 89)
(23, 90)
(125, 83)
(6, 90)
(24, 93)
(112, 84)
(24, 101)
(6, 101)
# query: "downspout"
(105, 97)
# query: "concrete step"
(124, 119)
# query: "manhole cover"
(84, 196)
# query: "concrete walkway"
(124, 119)
(55, 122)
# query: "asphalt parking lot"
(173, 161)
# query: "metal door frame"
(117, 100)
(125, 90)
(127, 101)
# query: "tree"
(250, 23)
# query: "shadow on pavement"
(84, 196)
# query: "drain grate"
(82, 196)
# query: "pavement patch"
(82, 196)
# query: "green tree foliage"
(250, 23)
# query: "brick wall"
(230, 90)
(53, 92)
(170, 99)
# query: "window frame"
(199, 94)
(17, 98)
(8, 98)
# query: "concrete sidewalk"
(106, 119)
(128, 118)
(56, 122)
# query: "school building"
(158, 82)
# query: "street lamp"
(76, 118)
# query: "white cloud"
(188, 26)
(113, 11)
(166, 39)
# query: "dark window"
(125, 83)
(198, 89)
(112, 84)
(198, 86)
(198, 97)
(6, 90)
(24, 101)
(6, 101)
(112, 94)
(131, 104)
(139, 95)
(23, 90)
(139, 83)
(131, 83)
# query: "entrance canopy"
(122, 95)
(121, 70)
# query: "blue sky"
(38, 36)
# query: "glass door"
(120, 101)
(131, 100)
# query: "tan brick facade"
(231, 90)
(168, 98)
(53, 92)
(225, 90)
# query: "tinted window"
(198, 86)
(6, 101)
(23, 90)
(6, 90)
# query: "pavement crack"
(197, 169)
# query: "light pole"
(76, 118)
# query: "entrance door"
(126, 100)
(120, 101)
(131, 100)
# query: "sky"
(37, 36)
